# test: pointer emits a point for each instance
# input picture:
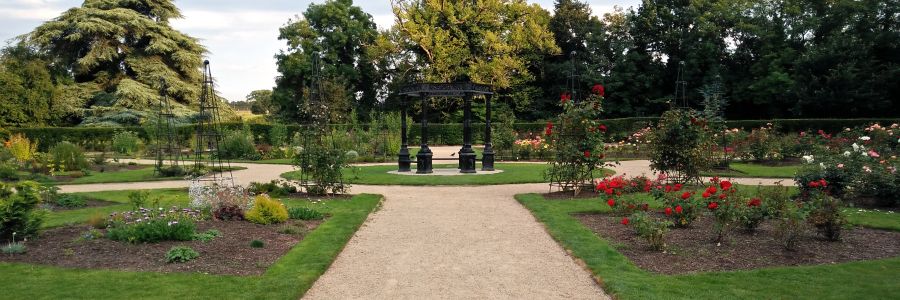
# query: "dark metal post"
(403, 160)
(423, 158)
(466, 154)
(487, 157)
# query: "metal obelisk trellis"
(207, 155)
(315, 128)
(168, 151)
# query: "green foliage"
(278, 135)
(180, 254)
(577, 141)
(19, 213)
(826, 215)
(261, 102)
(305, 213)
(238, 144)
(70, 201)
(651, 229)
(257, 244)
(323, 166)
(266, 211)
(88, 40)
(14, 248)
(29, 95)
(126, 142)
(207, 236)
(680, 145)
(21, 148)
(138, 199)
(153, 231)
(68, 157)
(275, 188)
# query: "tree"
(338, 34)
(28, 93)
(260, 102)
(118, 50)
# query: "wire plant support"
(208, 137)
(168, 151)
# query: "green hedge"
(439, 134)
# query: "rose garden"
(468, 170)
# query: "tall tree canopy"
(487, 41)
(118, 50)
(338, 34)
(29, 95)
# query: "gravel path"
(450, 243)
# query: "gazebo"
(467, 157)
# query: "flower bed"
(693, 249)
(227, 254)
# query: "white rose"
(865, 138)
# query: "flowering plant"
(222, 200)
(680, 206)
(680, 144)
(724, 204)
(651, 229)
(577, 141)
(153, 225)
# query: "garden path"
(453, 242)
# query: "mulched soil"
(692, 250)
(228, 254)
(569, 195)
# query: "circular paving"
(445, 172)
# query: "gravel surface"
(451, 243)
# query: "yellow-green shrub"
(266, 211)
(21, 148)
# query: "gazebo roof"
(457, 89)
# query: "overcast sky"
(241, 35)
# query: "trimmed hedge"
(92, 138)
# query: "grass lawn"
(750, 170)
(289, 278)
(378, 175)
(137, 175)
(879, 279)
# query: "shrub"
(21, 148)
(305, 213)
(680, 145)
(752, 214)
(257, 244)
(126, 142)
(152, 226)
(278, 135)
(68, 157)
(238, 144)
(97, 220)
(681, 207)
(266, 211)
(292, 230)
(826, 215)
(8, 171)
(207, 236)
(225, 202)
(70, 201)
(761, 144)
(14, 248)
(790, 224)
(138, 199)
(651, 229)
(724, 203)
(180, 254)
(19, 213)
(577, 142)
(275, 188)
(324, 167)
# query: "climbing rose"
(611, 202)
(713, 205)
(599, 90)
(725, 184)
(678, 209)
(685, 195)
(625, 221)
(668, 211)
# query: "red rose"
(587, 154)
(631, 206)
(599, 90)
(712, 190)
(823, 183)
(609, 191)
(668, 188)
(713, 205)
(723, 195)
(813, 184)
(685, 195)
(678, 187)
(754, 202)
(706, 195)
(565, 97)
(611, 202)
(725, 184)
(602, 128)
(601, 186)
(625, 221)
(678, 209)
(668, 211)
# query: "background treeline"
(774, 59)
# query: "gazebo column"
(423, 158)
(403, 160)
(487, 157)
(466, 154)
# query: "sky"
(241, 35)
